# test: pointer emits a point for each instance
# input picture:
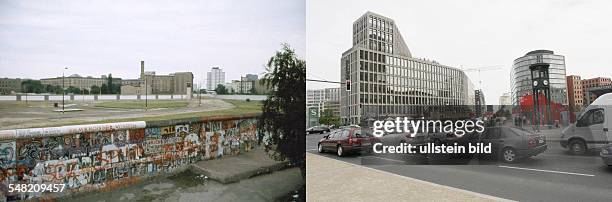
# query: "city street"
(553, 175)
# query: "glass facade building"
(387, 81)
(521, 76)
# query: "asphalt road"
(554, 175)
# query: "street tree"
(283, 112)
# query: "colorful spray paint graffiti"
(87, 159)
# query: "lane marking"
(570, 156)
(548, 171)
(388, 159)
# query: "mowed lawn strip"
(240, 108)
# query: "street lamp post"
(63, 88)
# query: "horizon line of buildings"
(248, 84)
(148, 83)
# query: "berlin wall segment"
(105, 156)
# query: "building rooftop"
(540, 52)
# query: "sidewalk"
(330, 179)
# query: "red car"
(347, 141)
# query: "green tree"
(73, 90)
(328, 118)
(283, 112)
(104, 89)
(221, 90)
(109, 84)
(58, 89)
(50, 88)
(32, 86)
(95, 89)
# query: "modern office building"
(386, 80)
(521, 83)
(315, 99)
(9, 86)
(332, 101)
(332, 94)
(215, 77)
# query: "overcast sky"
(469, 34)
(39, 38)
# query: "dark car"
(317, 129)
(512, 144)
(347, 141)
(606, 154)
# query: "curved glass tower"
(521, 76)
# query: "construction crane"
(480, 69)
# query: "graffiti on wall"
(91, 159)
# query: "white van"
(591, 130)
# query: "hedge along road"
(16, 115)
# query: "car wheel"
(577, 147)
(320, 148)
(339, 151)
(509, 155)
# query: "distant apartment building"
(80, 82)
(215, 77)
(10, 86)
(589, 85)
(240, 86)
(575, 94)
(387, 81)
(251, 77)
